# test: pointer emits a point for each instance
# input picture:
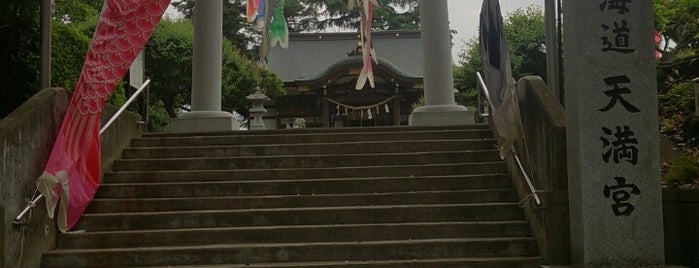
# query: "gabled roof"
(345, 66)
(311, 55)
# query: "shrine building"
(320, 70)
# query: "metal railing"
(31, 204)
(483, 89)
(123, 107)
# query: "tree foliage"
(677, 20)
(73, 25)
(465, 73)
(76, 11)
(168, 61)
(524, 30)
(314, 15)
(68, 50)
(241, 78)
(19, 53)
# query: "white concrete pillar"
(436, 44)
(206, 114)
(440, 108)
(206, 61)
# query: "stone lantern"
(258, 100)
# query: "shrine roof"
(311, 54)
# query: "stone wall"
(26, 139)
(118, 135)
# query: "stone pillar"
(616, 217)
(136, 71)
(440, 107)
(206, 114)
(258, 110)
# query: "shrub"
(682, 170)
(680, 98)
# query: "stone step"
(242, 138)
(320, 131)
(308, 149)
(360, 197)
(291, 252)
(462, 262)
(373, 170)
(300, 216)
(300, 187)
(292, 234)
(113, 205)
(305, 161)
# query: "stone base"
(203, 121)
(442, 115)
(257, 126)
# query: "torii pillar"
(206, 114)
(440, 107)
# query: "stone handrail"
(544, 127)
(544, 123)
(523, 172)
(543, 149)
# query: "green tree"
(465, 73)
(19, 53)
(169, 64)
(677, 20)
(68, 49)
(240, 77)
(158, 119)
(72, 28)
(314, 15)
(524, 30)
(76, 11)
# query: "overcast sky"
(464, 16)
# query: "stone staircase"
(370, 197)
